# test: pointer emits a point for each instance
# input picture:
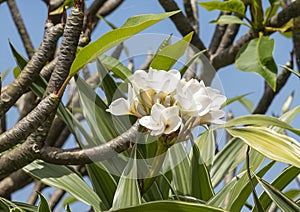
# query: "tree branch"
(29, 123)
(11, 93)
(90, 155)
(269, 94)
(15, 13)
(182, 24)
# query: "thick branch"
(29, 123)
(15, 13)
(68, 49)
(11, 93)
(281, 18)
(90, 155)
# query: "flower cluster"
(163, 101)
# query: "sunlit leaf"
(171, 206)
(201, 182)
(271, 144)
(168, 56)
(131, 27)
(166, 42)
(256, 56)
(20, 60)
(226, 6)
(67, 4)
(115, 66)
(280, 183)
(260, 120)
(64, 178)
(229, 19)
(207, 147)
(228, 158)
(183, 69)
(287, 104)
(128, 192)
(43, 205)
(281, 200)
(243, 189)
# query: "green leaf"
(171, 206)
(231, 155)
(226, 6)
(168, 56)
(180, 166)
(207, 147)
(107, 83)
(256, 56)
(64, 178)
(108, 22)
(288, 117)
(243, 189)
(67, 4)
(287, 103)
(260, 120)
(8, 206)
(279, 183)
(201, 182)
(128, 192)
(43, 205)
(229, 19)
(281, 200)
(115, 66)
(20, 60)
(270, 143)
(131, 27)
(103, 183)
(183, 69)
(166, 42)
(218, 199)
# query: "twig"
(217, 36)
(38, 186)
(147, 62)
(15, 13)
(55, 198)
(296, 40)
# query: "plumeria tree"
(150, 138)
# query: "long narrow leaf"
(269, 143)
(260, 120)
(171, 206)
(64, 178)
(282, 201)
(131, 27)
(168, 56)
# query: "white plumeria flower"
(192, 97)
(129, 106)
(157, 80)
(163, 120)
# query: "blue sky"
(233, 81)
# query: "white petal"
(156, 112)
(119, 107)
(173, 124)
(170, 112)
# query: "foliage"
(185, 171)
